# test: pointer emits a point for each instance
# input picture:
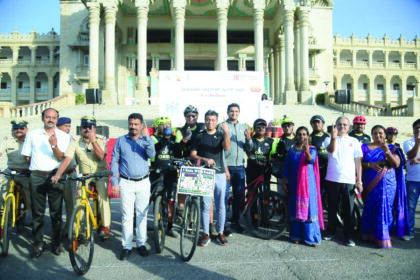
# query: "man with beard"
(130, 172)
(44, 149)
(359, 125)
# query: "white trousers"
(134, 195)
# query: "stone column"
(282, 77)
(179, 7)
(110, 96)
(242, 62)
(93, 44)
(13, 82)
(267, 82)
(403, 90)
(50, 85)
(418, 60)
(370, 53)
(354, 58)
(222, 19)
(354, 96)
(31, 75)
(259, 38)
(338, 58)
(290, 92)
(276, 74)
(51, 48)
(402, 55)
(386, 54)
(272, 73)
(142, 96)
(15, 54)
(296, 55)
(371, 89)
(387, 94)
(33, 54)
(305, 93)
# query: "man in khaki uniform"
(12, 147)
(69, 188)
(90, 153)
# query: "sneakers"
(237, 227)
(222, 239)
(213, 230)
(407, 237)
(350, 243)
(105, 232)
(205, 240)
(328, 236)
(172, 233)
(227, 233)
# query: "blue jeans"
(219, 192)
(237, 181)
(413, 192)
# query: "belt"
(71, 170)
(20, 170)
(135, 179)
(42, 172)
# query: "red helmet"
(359, 119)
(391, 130)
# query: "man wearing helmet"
(286, 141)
(359, 125)
(165, 148)
(391, 136)
(318, 139)
(185, 136)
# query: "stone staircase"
(115, 117)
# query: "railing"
(5, 90)
(35, 109)
(399, 111)
(6, 61)
(24, 61)
(378, 64)
(23, 90)
(357, 108)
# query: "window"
(20, 84)
(365, 86)
(86, 59)
(396, 86)
(38, 84)
(3, 85)
(380, 87)
(348, 85)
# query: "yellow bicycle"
(15, 208)
(82, 224)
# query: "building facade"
(29, 67)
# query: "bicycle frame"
(91, 214)
(14, 188)
(247, 198)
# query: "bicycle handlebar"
(82, 178)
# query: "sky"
(361, 17)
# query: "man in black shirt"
(359, 125)
(317, 138)
(287, 140)
(208, 147)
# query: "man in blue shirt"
(130, 160)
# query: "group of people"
(306, 165)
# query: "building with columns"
(29, 67)
(120, 46)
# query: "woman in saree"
(384, 191)
(301, 182)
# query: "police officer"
(166, 149)
(317, 138)
(90, 153)
(64, 124)
(12, 147)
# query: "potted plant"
(269, 131)
(277, 131)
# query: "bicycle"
(265, 211)
(160, 208)
(83, 221)
(15, 208)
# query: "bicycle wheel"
(81, 242)
(190, 229)
(160, 222)
(267, 218)
(5, 230)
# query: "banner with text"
(196, 181)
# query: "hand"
(305, 146)
(145, 131)
(55, 178)
(247, 133)
(359, 187)
(334, 131)
(284, 186)
(92, 136)
(227, 175)
(415, 160)
(224, 126)
(115, 190)
(375, 166)
(53, 139)
(211, 162)
(187, 134)
(384, 147)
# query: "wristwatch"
(53, 146)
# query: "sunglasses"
(18, 127)
(191, 116)
(86, 127)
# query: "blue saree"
(386, 210)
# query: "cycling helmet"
(259, 122)
(286, 120)
(317, 118)
(161, 120)
(359, 119)
(190, 109)
(391, 130)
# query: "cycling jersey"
(185, 147)
(258, 150)
(362, 138)
(283, 146)
(318, 142)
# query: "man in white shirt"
(412, 150)
(44, 149)
(344, 160)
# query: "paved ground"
(245, 257)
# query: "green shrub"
(320, 99)
(80, 99)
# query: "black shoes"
(125, 253)
(328, 236)
(237, 227)
(172, 233)
(57, 250)
(143, 251)
(37, 251)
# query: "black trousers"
(41, 189)
(345, 193)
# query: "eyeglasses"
(86, 127)
(191, 116)
(342, 124)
